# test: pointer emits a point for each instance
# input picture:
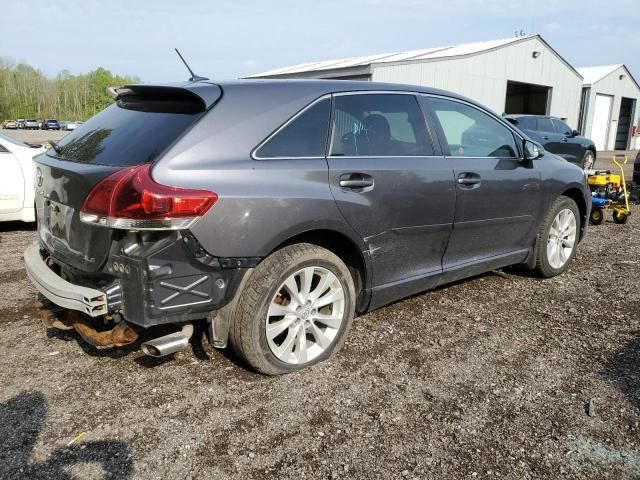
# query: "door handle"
(545, 137)
(469, 179)
(356, 180)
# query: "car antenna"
(57, 148)
(194, 77)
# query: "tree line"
(25, 92)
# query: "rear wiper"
(58, 149)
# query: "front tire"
(294, 311)
(597, 216)
(558, 236)
(588, 160)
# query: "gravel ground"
(490, 377)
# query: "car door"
(393, 187)
(11, 182)
(571, 146)
(498, 193)
(551, 140)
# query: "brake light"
(130, 199)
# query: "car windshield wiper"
(58, 149)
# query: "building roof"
(436, 53)
(596, 73)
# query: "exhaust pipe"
(172, 343)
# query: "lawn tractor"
(608, 191)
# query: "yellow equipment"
(609, 191)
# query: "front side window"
(379, 125)
(470, 132)
(304, 136)
(562, 128)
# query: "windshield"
(132, 131)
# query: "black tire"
(543, 267)
(596, 217)
(247, 333)
(588, 160)
(620, 217)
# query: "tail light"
(130, 199)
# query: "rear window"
(132, 131)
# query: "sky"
(231, 39)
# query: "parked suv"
(31, 124)
(557, 137)
(51, 125)
(279, 209)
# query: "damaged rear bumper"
(146, 280)
(91, 301)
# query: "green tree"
(25, 92)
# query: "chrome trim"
(282, 127)
(65, 294)
(501, 120)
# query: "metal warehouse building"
(608, 108)
(516, 75)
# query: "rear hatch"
(136, 129)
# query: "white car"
(16, 179)
(71, 125)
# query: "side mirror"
(532, 150)
(575, 133)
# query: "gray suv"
(275, 211)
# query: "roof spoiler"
(205, 92)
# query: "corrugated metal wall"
(612, 85)
(483, 77)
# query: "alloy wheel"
(561, 239)
(305, 315)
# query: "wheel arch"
(347, 250)
(577, 196)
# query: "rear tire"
(558, 236)
(588, 160)
(620, 217)
(282, 321)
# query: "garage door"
(601, 121)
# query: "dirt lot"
(604, 162)
(487, 378)
(36, 136)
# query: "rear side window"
(304, 136)
(132, 131)
(379, 125)
(544, 125)
(470, 132)
(526, 123)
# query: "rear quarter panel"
(261, 203)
